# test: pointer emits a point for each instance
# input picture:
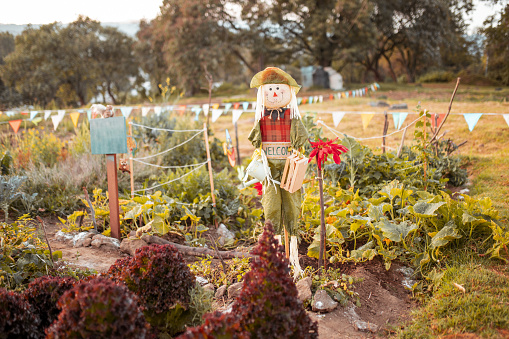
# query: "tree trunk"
(111, 95)
(391, 69)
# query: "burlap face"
(276, 95)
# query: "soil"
(385, 303)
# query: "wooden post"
(321, 257)
(209, 163)
(111, 171)
(386, 127)
(131, 168)
(287, 244)
(237, 144)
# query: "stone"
(399, 106)
(365, 326)
(304, 289)
(131, 234)
(220, 292)
(322, 302)
(65, 236)
(80, 238)
(209, 287)
(234, 290)
(382, 104)
(201, 280)
(224, 234)
(101, 240)
(87, 242)
(130, 245)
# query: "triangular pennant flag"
(144, 111)
(10, 113)
(47, 114)
(317, 98)
(227, 106)
(336, 117)
(299, 100)
(434, 117)
(402, 117)
(126, 111)
(56, 120)
(253, 105)
(89, 114)
(310, 100)
(304, 100)
(33, 114)
(216, 113)
(395, 118)
(206, 109)
(215, 106)
(245, 105)
(158, 110)
(472, 119)
(15, 125)
(366, 118)
(331, 96)
(36, 121)
(236, 105)
(506, 118)
(236, 113)
(197, 111)
(75, 116)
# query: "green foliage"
(43, 294)
(98, 308)
(436, 76)
(37, 148)
(10, 191)
(158, 275)
(496, 43)
(398, 222)
(17, 318)
(232, 272)
(480, 311)
(5, 163)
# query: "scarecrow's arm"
(298, 134)
(255, 136)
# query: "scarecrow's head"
(276, 89)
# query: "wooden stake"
(111, 171)
(287, 244)
(237, 144)
(92, 211)
(46, 237)
(448, 112)
(321, 256)
(209, 163)
(386, 127)
(402, 142)
(131, 168)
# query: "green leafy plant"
(10, 191)
(98, 308)
(233, 271)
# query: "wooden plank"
(111, 172)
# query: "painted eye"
(270, 88)
(277, 88)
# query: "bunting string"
(165, 129)
(167, 167)
(168, 182)
(170, 149)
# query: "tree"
(8, 96)
(497, 47)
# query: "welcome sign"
(276, 150)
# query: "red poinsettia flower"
(259, 188)
(323, 148)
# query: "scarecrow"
(278, 130)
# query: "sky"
(65, 11)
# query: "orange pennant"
(331, 96)
(15, 125)
(236, 105)
(304, 100)
(438, 118)
(74, 117)
(215, 106)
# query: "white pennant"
(320, 98)
(336, 117)
(57, 118)
(401, 120)
(216, 113)
(253, 105)
(206, 109)
(227, 106)
(506, 117)
(144, 111)
(33, 114)
(236, 113)
(126, 111)
(157, 110)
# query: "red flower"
(323, 148)
(259, 188)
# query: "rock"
(87, 242)
(64, 236)
(224, 235)
(304, 289)
(464, 191)
(209, 287)
(80, 238)
(93, 231)
(399, 106)
(234, 290)
(130, 245)
(101, 240)
(322, 302)
(220, 292)
(131, 234)
(201, 280)
(365, 327)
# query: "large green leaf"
(445, 235)
(423, 209)
(396, 232)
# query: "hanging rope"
(165, 129)
(170, 149)
(168, 182)
(183, 166)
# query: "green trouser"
(279, 205)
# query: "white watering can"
(258, 170)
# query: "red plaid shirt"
(276, 130)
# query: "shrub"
(268, 302)
(98, 308)
(437, 76)
(17, 319)
(158, 275)
(217, 325)
(43, 294)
